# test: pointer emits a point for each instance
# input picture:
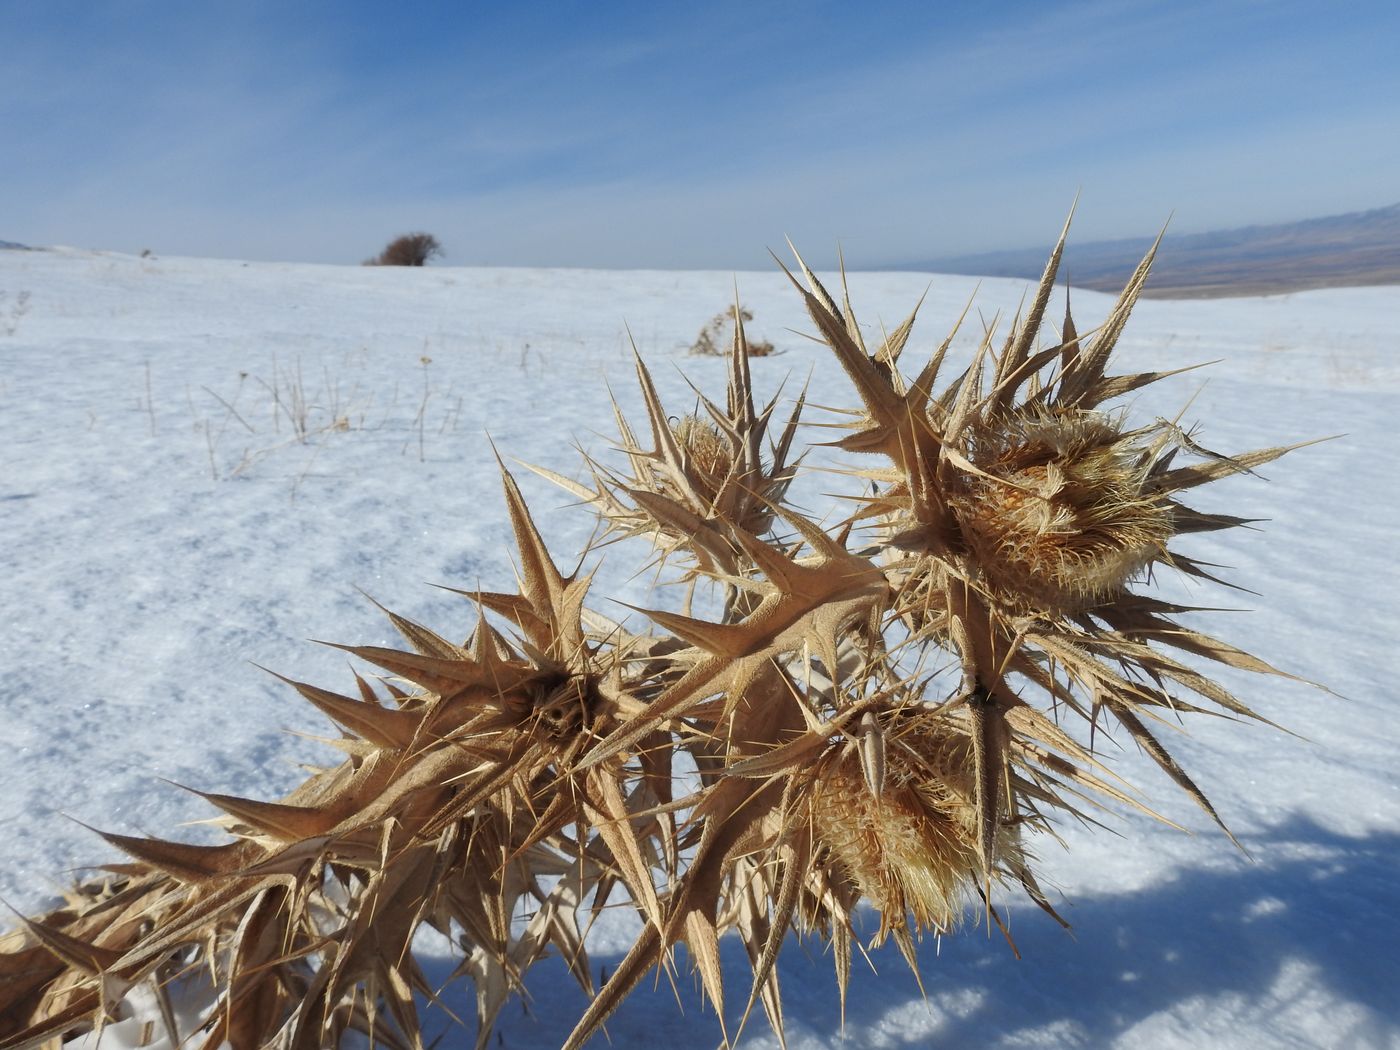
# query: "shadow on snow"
(1331, 908)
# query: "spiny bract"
(1009, 523)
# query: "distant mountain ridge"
(1358, 248)
(13, 246)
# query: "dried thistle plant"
(716, 338)
(1011, 526)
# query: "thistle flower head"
(708, 459)
(1061, 512)
(910, 848)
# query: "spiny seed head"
(709, 458)
(1062, 516)
(563, 706)
(911, 850)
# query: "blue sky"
(683, 135)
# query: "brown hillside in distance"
(1352, 250)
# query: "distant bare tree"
(411, 249)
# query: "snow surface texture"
(205, 463)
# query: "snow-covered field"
(203, 464)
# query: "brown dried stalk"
(1010, 523)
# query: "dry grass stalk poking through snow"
(1010, 526)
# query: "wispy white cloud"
(688, 138)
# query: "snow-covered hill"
(204, 463)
